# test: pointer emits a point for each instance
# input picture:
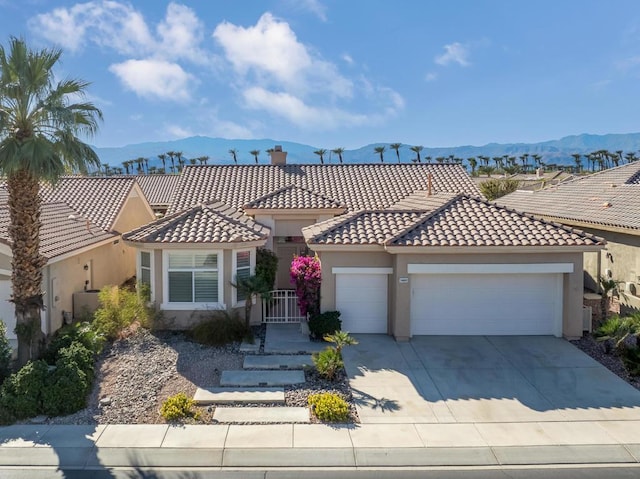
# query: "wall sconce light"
(86, 267)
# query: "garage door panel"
(362, 302)
(486, 303)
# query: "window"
(192, 277)
(243, 270)
(145, 268)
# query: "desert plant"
(220, 327)
(495, 188)
(82, 333)
(324, 323)
(618, 330)
(328, 363)
(340, 339)
(251, 287)
(631, 360)
(178, 407)
(609, 288)
(66, 387)
(266, 266)
(119, 309)
(329, 407)
(21, 393)
(5, 353)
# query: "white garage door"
(486, 304)
(362, 302)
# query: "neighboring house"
(82, 220)
(405, 248)
(159, 190)
(606, 204)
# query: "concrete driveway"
(483, 379)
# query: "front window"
(193, 277)
(243, 271)
(145, 268)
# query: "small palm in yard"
(609, 288)
(340, 339)
(329, 361)
(250, 288)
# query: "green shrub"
(266, 266)
(329, 407)
(5, 353)
(81, 356)
(631, 360)
(66, 388)
(82, 333)
(325, 323)
(617, 329)
(495, 188)
(220, 328)
(328, 362)
(119, 309)
(178, 407)
(21, 393)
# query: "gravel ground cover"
(136, 374)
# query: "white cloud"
(182, 32)
(431, 76)
(177, 131)
(298, 112)
(154, 79)
(315, 7)
(454, 53)
(347, 58)
(271, 51)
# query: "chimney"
(429, 187)
(278, 157)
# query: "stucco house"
(405, 248)
(82, 221)
(606, 204)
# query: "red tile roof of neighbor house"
(607, 198)
(159, 189)
(63, 230)
(213, 223)
(446, 221)
(356, 187)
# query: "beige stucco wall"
(623, 260)
(135, 212)
(5, 262)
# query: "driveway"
(478, 379)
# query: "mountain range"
(217, 149)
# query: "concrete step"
(231, 395)
(261, 414)
(277, 361)
(261, 378)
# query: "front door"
(285, 253)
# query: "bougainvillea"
(306, 276)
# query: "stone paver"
(261, 378)
(232, 395)
(261, 414)
(277, 361)
(288, 339)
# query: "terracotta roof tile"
(214, 223)
(63, 230)
(357, 187)
(456, 221)
(610, 197)
(159, 189)
(293, 197)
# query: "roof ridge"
(168, 219)
(208, 210)
(344, 219)
(420, 221)
(591, 175)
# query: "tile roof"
(293, 197)
(159, 189)
(98, 199)
(357, 187)
(458, 221)
(63, 230)
(213, 223)
(607, 198)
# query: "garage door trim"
(506, 268)
(342, 270)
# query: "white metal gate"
(282, 307)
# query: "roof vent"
(278, 157)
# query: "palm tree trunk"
(26, 275)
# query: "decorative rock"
(105, 401)
(38, 420)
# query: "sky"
(336, 73)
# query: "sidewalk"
(313, 445)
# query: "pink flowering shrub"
(306, 276)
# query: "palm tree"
(630, 157)
(163, 159)
(321, 152)
(396, 146)
(473, 163)
(203, 159)
(250, 288)
(40, 122)
(417, 150)
(234, 154)
(255, 154)
(172, 155)
(139, 161)
(126, 165)
(577, 161)
(380, 151)
(192, 161)
(339, 152)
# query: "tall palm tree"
(380, 151)
(203, 159)
(40, 124)
(126, 165)
(192, 161)
(255, 154)
(139, 161)
(577, 161)
(171, 155)
(417, 150)
(339, 152)
(163, 159)
(234, 154)
(321, 152)
(396, 147)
